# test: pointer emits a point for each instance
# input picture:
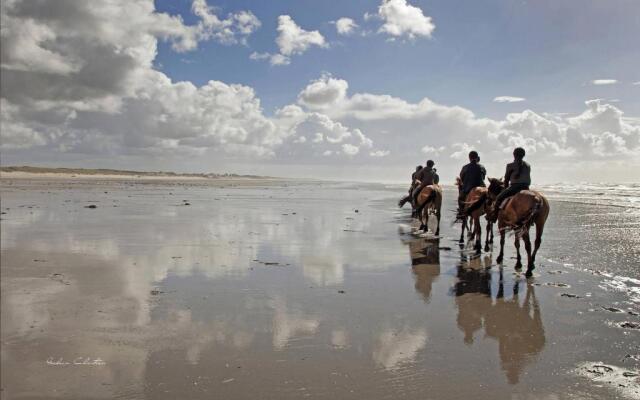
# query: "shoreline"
(26, 172)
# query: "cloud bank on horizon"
(79, 83)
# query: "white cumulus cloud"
(403, 19)
(292, 39)
(345, 26)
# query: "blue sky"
(272, 87)
(545, 51)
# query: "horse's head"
(458, 182)
(495, 186)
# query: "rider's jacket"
(426, 176)
(472, 175)
(513, 176)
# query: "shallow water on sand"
(293, 290)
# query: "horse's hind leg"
(527, 246)
(438, 221)
(538, 242)
(464, 225)
(518, 258)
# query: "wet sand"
(286, 290)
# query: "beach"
(240, 288)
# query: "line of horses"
(517, 214)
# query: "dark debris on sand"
(630, 325)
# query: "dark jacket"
(472, 175)
(518, 172)
(426, 176)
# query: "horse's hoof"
(518, 266)
(423, 228)
(528, 274)
(486, 248)
(499, 260)
(461, 240)
(437, 233)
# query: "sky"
(353, 90)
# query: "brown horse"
(429, 202)
(520, 211)
(477, 203)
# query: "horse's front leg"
(491, 229)
(477, 234)
(518, 258)
(424, 219)
(502, 235)
(486, 242)
(438, 221)
(464, 225)
(527, 246)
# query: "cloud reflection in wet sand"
(170, 295)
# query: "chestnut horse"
(429, 202)
(520, 211)
(476, 204)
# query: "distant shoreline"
(25, 172)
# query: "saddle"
(508, 199)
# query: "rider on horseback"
(425, 177)
(472, 175)
(516, 178)
(413, 186)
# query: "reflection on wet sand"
(280, 294)
(425, 264)
(515, 324)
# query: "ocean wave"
(620, 195)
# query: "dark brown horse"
(477, 203)
(520, 211)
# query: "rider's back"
(472, 176)
(519, 172)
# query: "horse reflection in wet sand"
(515, 324)
(425, 264)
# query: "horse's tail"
(403, 201)
(476, 204)
(523, 226)
(428, 200)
